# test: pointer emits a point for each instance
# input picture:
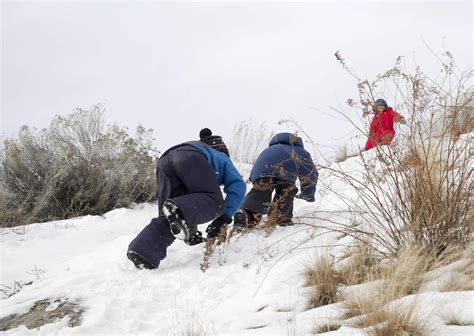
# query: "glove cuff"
(226, 219)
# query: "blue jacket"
(286, 159)
(227, 175)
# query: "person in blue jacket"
(276, 170)
(189, 176)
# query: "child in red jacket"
(382, 131)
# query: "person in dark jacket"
(189, 176)
(276, 170)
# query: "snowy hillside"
(254, 285)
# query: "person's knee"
(219, 202)
(263, 184)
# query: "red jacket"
(381, 128)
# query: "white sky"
(178, 67)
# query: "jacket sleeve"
(234, 188)
(308, 176)
(397, 117)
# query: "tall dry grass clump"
(383, 312)
(360, 264)
(249, 140)
(76, 166)
(324, 281)
(418, 190)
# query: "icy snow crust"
(253, 285)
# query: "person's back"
(286, 159)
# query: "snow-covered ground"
(252, 287)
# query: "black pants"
(185, 176)
(259, 199)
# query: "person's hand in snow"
(214, 229)
(195, 239)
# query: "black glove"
(215, 227)
(195, 239)
(300, 196)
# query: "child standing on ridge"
(381, 130)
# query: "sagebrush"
(76, 166)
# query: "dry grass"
(458, 264)
(383, 313)
(362, 264)
(193, 328)
(380, 311)
(379, 318)
(406, 275)
(397, 321)
(324, 280)
(457, 283)
(249, 140)
(330, 326)
(360, 304)
(455, 318)
(461, 280)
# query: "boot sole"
(177, 227)
(139, 261)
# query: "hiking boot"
(139, 261)
(175, 217)
(246, 219)
(240, 220)
(286, 222)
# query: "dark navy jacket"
(286, 159)
(227, 175)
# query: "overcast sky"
(178, 67)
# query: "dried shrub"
(77, 166)
(418, 190)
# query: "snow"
(252, 287)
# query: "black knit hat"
(213, 141)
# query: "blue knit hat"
(381, 101)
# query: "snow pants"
(185, 176)
(376, 139)
(259, 198)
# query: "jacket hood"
(286, 139)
